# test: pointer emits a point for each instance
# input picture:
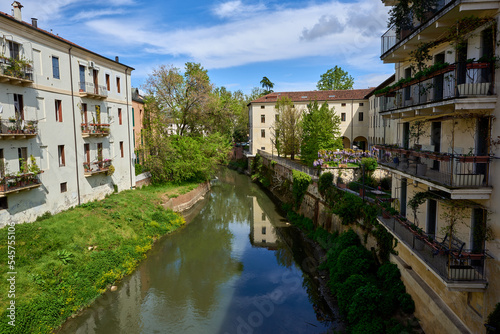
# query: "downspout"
(352, 124)
(128, 130)
(74, 127)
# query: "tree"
(267, 85)
(286, 131)
(183, 98)
(335, 79)
(320, 131)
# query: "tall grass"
(63, 262)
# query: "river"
(236, 267)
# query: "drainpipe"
(128, 130)
(352, 124)
(74, 126)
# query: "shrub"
(407, 304)
(494, 320)
(346, 291)
(373, 325)
(386, 183)
(352, 260)
(370, 164)
(364, 305)
(325, 182)
(300, 183)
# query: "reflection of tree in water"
(192, 265)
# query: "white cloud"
(327, 25)
(270, 36)
(236, 8)
(92, 14)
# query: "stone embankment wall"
(186, 201)
(142, 180)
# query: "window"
(263, 230)
(262, 118)
(120, 116)
(343, 104)
(133, 117)
(360, 117)
(263, 133)
(62, 159)
(262, 107)
(14, 49)
(118, 84)
(58, 108)
(64, 187)
(84, 111)
(361, 104)
(86, 149)
(22, 155)
(342, 117)
(108, 85)
(121, 149)
(263, 216)
(2, 170)
(19, 106)
(3, 203)
(55, 67)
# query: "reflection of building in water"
(262, 233)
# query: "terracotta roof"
(26, 24)
(319, 95)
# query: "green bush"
(299, 187)
(138, 169)
(364, 305)
(407, 304)
(346, 291)
(372, 325)
(494, 320)
(370, 164)
(386, 183)
(352, 260)
(349, 209)
(325, 182)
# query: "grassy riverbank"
(63, 262)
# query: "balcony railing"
(449, 170)
(458, 80)
(89, 89)
(13, 128)
(97, 167)
(391, 37)
(16, 71)
(95, 129)
(15, 183)
(453, 265)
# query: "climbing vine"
(299, 187)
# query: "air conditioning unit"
(91, 64)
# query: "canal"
(237, 267)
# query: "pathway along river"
(237, 267)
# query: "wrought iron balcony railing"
(13, 128)
(460, 80)
(89, 89)
(449, 170)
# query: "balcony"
(392, 37)
(458, 268)
(88, 89)
(11, 184)
(94, 130)
(468, 85)
(462, 176)
(98, 167)
(13, 128)
(16, 71)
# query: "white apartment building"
(351, 105)
(65, 128)
(440, 143)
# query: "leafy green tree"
(320, 130)
(335, 79)
(227, 114)
(286, 131)
(182, 97)
(267, 85)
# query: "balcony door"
(482, 135)
(436, 141)
(439, 80)
(96, 81)
(431, 217)
(406, 135)
(82, 78)
(402, 198)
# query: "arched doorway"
(346, 142)
(360, 143)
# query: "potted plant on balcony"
(3, 175)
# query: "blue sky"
(238, 41)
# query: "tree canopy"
(286, 131)
(320, 131)
(335, 79)
(267, 85)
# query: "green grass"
(349, 164)
(57, 274)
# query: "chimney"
(117, 59)
(16, 10)
(34, 22)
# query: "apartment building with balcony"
(66, 124)
(350, 105)
(440, 144)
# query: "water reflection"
(235, 268)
